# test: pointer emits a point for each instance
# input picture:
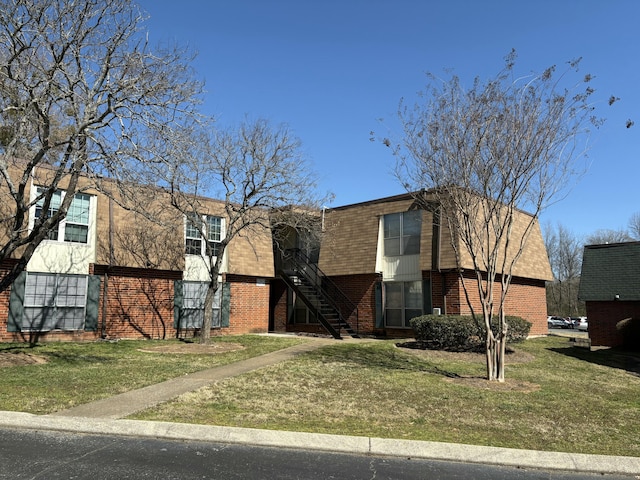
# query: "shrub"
(518, 330)
(461, 333)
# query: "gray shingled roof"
(610, 270)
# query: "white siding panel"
(404, 268)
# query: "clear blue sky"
(331, 69)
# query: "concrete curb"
(574, 462)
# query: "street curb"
(508, 457)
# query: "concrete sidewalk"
(104, 417)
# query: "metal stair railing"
(324, 288)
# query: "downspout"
(436, 252)
(105, 290)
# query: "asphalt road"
(30, 454)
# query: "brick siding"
(526, 298)
(140, 305)
(360, 289)
(603, 317)
(249, 306)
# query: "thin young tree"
(80, 90)
(506, 145)
(258, 171)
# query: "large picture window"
(402, 233)
(403, 301)
(75, 227)
(54, 302)
(194, 294)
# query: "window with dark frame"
(403, 301)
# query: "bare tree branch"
(81, 94)
(490, 153)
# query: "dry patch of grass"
(552, 400)
(12, 359)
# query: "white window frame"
(213, 235)
(59, 233)
(50, 295)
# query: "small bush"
(461, 333)
(629, 329)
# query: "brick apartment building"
(392, 262)
(108, 272)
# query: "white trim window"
(54, 302)
(403, 301)
(75, 227)
(402, 233)
(212, 228)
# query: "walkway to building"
(128, 403)
(106, 417)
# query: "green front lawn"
(77, 373)
(557, 400)
(557, 397)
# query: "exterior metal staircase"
(323, 298)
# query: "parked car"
(558, 322)
(582, 324)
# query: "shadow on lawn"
(387, 359)
(614, 358)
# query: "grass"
(563, 399)
(573, 400)
(77, 373)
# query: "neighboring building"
(610, 287)
(392, 262)
(108, 272)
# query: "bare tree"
(258, 172)
(606, 235)
(564, 249)
(80, 91)
(489, 153)
(634, 226)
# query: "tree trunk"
(495, 352)
(207, 321)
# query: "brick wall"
(603, 317)
(249, 306)
(526, 299)
(360, 289)
(278, 306)
(446, 292)
(140, 305)
(137, 308)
